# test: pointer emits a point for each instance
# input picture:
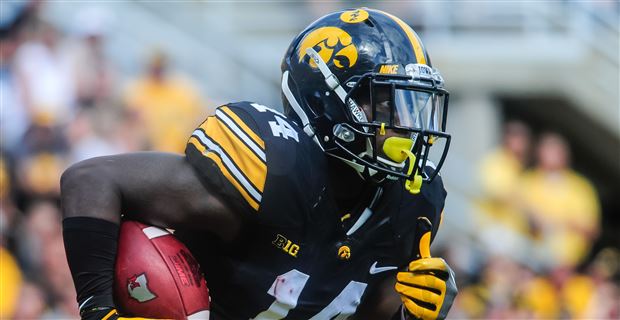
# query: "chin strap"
(412, 185)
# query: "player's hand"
(427, 288)
(107, 313)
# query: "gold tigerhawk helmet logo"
(334, 44)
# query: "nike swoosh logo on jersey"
(374, 269)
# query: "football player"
(325, 211)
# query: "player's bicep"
(156, 188)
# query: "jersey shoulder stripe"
(243, 128)
(246, 154)
(252, 165)
(237, 150)
(210, 150)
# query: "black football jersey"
(298, 256)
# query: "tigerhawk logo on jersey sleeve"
(332, 44)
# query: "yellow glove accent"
(427, 288)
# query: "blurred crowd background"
(532, 220)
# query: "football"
(156, 276)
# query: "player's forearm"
(91, 214)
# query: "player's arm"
(425, 290)
(427, 287)
(156, 188)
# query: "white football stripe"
(154, 232)
(200, 315)
(241, 134)
(228, 163)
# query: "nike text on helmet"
(352, 75)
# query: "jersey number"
(280, 127)
(287, 289)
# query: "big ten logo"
(332, 44)
(286, 245)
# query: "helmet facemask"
(404, 116)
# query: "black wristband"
(91, 244)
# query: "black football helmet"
(352, 76)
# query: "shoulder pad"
(253, 155)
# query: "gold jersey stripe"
(232, 180)
(193, 140)
(243, 126)
(413, 38)
(218, 161)
(247, 161)
(111, 313)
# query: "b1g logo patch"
(286, 245)
(138, 288)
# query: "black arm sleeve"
(91, 245)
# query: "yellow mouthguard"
(395, 147)
(398, 150)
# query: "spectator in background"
(10, 283)
(91, 134)
(167, 106)
(48, 87)
(501, 169)
(500, 173)
(562, 204)
(31, 303)
(15, 118)
(8, 211)
(41, 160)
(38, 230)
(92, 72)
